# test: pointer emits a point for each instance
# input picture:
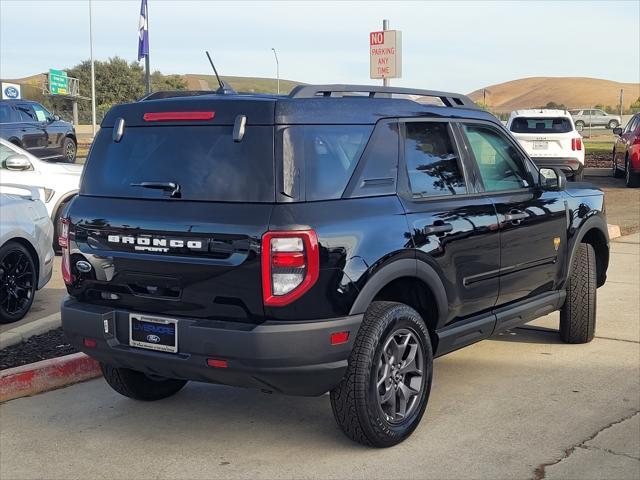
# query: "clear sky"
(459, 46)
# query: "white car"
(58, 183)
(550, 138)
(26, 251)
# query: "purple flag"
(143, 32)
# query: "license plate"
(154, 333)
(540, 145)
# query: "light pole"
(277, 70)
(93, 74)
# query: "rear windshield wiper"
(172, 187)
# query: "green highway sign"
(58, 82)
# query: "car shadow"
(529, 334)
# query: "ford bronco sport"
(335, 239)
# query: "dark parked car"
(40, 132)
(336, 239)
(626, 152)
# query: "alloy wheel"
(70, 151)
(400, 378)
(17, 282)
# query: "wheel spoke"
(384, 377)
(401, 407)
(409, 365)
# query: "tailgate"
(191, 259)
(545, 145)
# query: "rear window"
(541, 125)
(327, 154)
(203, 160)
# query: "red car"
(626, 152)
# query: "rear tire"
(616, 171)
(385, 390)
(139, 386)
(631, 179)
(578, 315)
(69, 150)
(578, 177)
(612, 124)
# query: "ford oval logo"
(11, 92)
(153, 339)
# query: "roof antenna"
(224, 89)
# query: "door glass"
(6, 113)
(501, 165)
(26, 113)
(432, 163)
(41, 113)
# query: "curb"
(23, 332)
(614, 231)
(46, 375)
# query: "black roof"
(307, 104)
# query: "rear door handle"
(437, 229)
(515, 216)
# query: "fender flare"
(596, 222)
(403, 268)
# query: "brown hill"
(571, 91)
(240, 84)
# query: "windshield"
(203, 161)
(541, 125)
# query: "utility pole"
(277, 70)
(93, 74)
(385, 26)
(621, 104)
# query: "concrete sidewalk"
(521, 405)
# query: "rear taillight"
(576, 144)
(63, 241)
(290, 265)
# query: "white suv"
(57, 183)
(550, 138)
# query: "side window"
(328, 155)
(432, 163)
(6, 113)
(26, 113)
(501, 165)
(377, 171)
(41, 113)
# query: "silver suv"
(594, 117)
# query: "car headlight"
(48, 194)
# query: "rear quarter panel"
(357, 237)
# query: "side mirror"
(55, 118)
(552, 179)
(17, 162)
(617, 131)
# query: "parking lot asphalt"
(520, 405)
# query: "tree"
(116, 82)
(554, 106)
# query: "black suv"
(336, 239)
(40, 132)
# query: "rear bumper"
(569, 165)
(286, 357)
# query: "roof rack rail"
(447, 98)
